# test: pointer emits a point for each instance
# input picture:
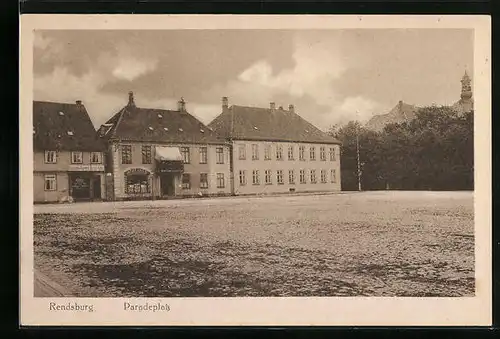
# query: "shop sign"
(87, 168)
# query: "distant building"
(399, 113)
(405, 112)
(68, 157)
(274, 150)
(157, 153)
(466, 102)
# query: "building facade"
(159, 154)
(276, 151)
(68, 158)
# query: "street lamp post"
(357, 151)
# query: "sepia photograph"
(305, 163)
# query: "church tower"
(466, 102)
(466, 87)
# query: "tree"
(433, 151)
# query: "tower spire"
(466, 87)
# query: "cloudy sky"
(328, 75)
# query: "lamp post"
(357, 151)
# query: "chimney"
(181, 105)
(131, 98)
(272, 105)
(281, 108)
(291, 108)
(225, 103)
(78, 102)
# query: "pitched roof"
(63, 126)
(399, 113)
(254, 123)
(133, 123)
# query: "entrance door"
(80, 187)
(167, 185)
(96, 187)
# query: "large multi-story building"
(274, 150)
(157, 153)
(68, 158)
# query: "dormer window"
(70, 132)
(160, 116)
(61, 113)
(181, 130)
(166, 129)
(306, 131)
(151, 128)
(202, 131)
(211, 129)
(255, 128)
(34, 131)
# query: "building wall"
(194, 168)
(248, 165)
(61, 169)
(41, 195)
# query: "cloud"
(130, 68)
(310, 84)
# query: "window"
(279, 152)
(312, 153)
(220, 180)
(323, 176)
(333, 175)
(203, 180)
(290, 152)
(50, 182)
(332, 154)
(267, 152)
(322, 154)
(243, 179)
(255, 177)
(242, 152)
(96, 158)
(126, 154)
(146, 154)
(313, 176)
(185, 155)
(203, 155)
(279, 177)
(137, 183)
(302, 176)
(268, 177)
(220, 155)
(186, 181)
(255, 152)
(76, 157)
(291, 177)
(302, 152)
(50, 157)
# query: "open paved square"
(347, 244)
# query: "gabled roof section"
(134, 123)
(400, 113)
(63, 126)
(277, 124)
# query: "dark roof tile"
(63, 126)
(254, 123)
(157, 125)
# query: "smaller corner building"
(68, 157)
(161, 154)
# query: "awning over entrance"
(164, 153)
(169, 159)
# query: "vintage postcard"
(255, 170)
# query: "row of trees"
(435, 151)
